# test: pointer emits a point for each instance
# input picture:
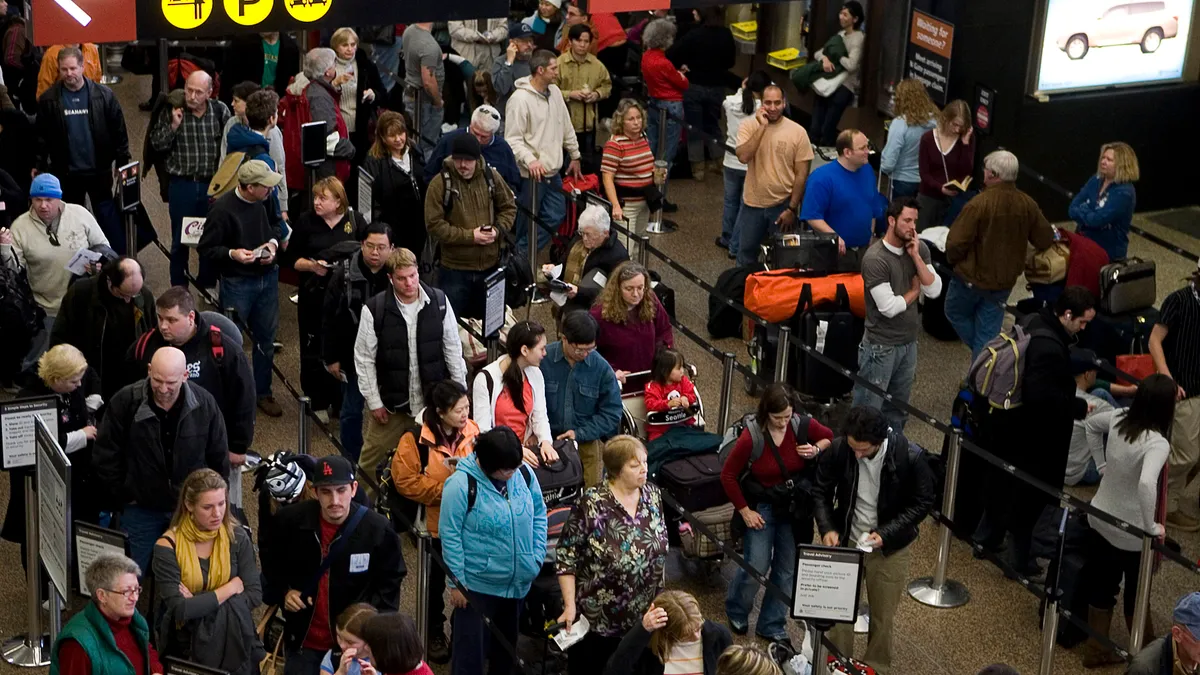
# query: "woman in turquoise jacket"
(493, 530)
(1103, 209)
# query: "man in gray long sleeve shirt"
(514, 64)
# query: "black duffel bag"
(561, 481)
(725, 321)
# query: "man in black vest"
(407, 342)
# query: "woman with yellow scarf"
(208, 581)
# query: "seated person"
(632, 321)
(109, 632)
(208, 580)
(573, 368)
(669, 387)
(352, 648)
(673, 636)
(1179, 650)
(510, 392)
(596, 248)
(1084, 458)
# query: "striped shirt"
(195, 147)
(630, 161)
(1181, 315)
(686, 658)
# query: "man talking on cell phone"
(339, 553)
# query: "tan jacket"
(471, 207)
(573, 76)
(988, 240)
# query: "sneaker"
(1182, 522)
(783, 641)
(269, 407)
(439, 649)
(738, 629)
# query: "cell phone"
(263, 253)
(486, 228)
(322, 263)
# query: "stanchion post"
(107, 78)
(727, 362)
(493, 348)
(657, 223)
(643, 250)
(1141, 610)
(819, 655)
(131, 247)
(164, 85)
(31, 650)
(781, 353)
(938, 591)
(1049, 635)
(531, 239)
(302, 437)
(423, 556)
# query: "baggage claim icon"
(248, 12)
(307, 10)
(186, 14)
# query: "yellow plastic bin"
(745, 30)
(787, 59)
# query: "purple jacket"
(631, 346)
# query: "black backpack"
(725, 321)
(20, 315)
(394, 506)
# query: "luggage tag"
(359, 562)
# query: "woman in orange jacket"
(420, 467)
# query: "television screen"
(1089, 44)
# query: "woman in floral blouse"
(611, 555)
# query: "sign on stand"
(54, 509)
(927, 57)
(493, 310)
(129, 186)
(93, 541)
(828, 584)
(18, 437)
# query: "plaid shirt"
(195, 147)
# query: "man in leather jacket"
(872, 491)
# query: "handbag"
(824, 87)
(1048, 266)
(272, 664)
(1140, 366)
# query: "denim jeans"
(735, 181)
(144, 527)
(256, 301)
(552, 208)
(187, 199)
(755, 224)
(473, 643)
(351, 418)
(430, 122)
(702, 110)
(37, 346)
(827, 112)
(904, 189)
(771, 549)
(674, 117)
(977, 315)
(464, 290)
(891, 368)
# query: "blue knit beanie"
(45, 185)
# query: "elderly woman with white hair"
(596, 248)
(316, 83)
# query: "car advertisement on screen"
(1091, 44)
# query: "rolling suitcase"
(933, 310)
(1127, 286)
(816, 252)
(835, 332)
(694, 481)
(1113, 335)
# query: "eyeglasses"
(129, 594)
(53, 237)
(377, 248)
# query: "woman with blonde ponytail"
(742, 660)
(673, 637)
(205, 572)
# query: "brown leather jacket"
(987, 242)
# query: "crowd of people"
(465, 133)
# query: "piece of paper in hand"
(79, 262)
(556, 272)
(565, 639)
(558, 298)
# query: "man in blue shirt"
(485, 127)
(583, 399)
(842, 198)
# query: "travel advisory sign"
(211, 18)
(927, 57)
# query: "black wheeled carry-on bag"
(816, 252)
(1127, 286)
(694, 481)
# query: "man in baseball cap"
(514, 64)
(1177, 652)
(338, 552)
(241, 239)
(485, 127)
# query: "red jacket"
(657, 396)
(663, 80)
(1087, 257)
(765, 469)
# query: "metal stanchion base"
(951, 594)
(662, 226)
(20, 652)
(863, 625)
(110, 80)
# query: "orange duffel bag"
(774, 295)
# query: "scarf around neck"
(219, 570)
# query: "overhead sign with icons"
(212, 18)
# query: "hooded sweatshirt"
(498, 548)
(538, 127)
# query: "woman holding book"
(946, 159)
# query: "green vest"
(91, 630)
